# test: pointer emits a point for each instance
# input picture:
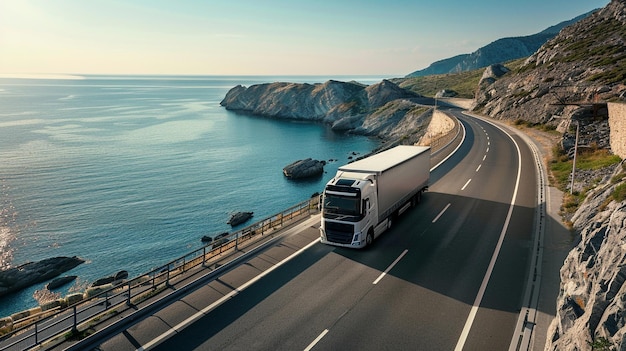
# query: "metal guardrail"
(53, 323)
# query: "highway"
(449, 275)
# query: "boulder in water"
(60, 281)
(112, 279)
(239, 217)
(27, 274)
(306, 168)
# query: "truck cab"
(347, 211)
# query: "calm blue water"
(130, 172)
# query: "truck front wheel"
(369, 238)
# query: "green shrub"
(619, 194)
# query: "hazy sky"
(260, 37)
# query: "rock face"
(20, 277)
(307, 168)
(501, 50)
(384, 109)
(591, 306)
(584, 63)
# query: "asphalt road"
(449, 275)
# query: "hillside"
(585, 63)
(568, 79)
(499, 51)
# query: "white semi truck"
(365, 196)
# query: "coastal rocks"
(219, 239)
(20, 277)
(306, 168)
(60, 281)
(112, 279)
(345, 106)
(239, 218)
(211, 239)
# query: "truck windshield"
(342, 205)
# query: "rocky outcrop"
(591, 303)
(491, 74)
(446, 93)
(499, 51)
(581, 65)
(27, 274)
(384, 109)
(306, 168)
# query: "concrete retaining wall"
(617, 125)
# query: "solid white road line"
(390, 267)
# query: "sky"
(260, 37)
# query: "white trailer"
(365, 196)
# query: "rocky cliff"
(499, 51)
(583, 64)
(591, 306)
(383, 110)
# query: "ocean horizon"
(129, 172)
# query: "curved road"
(449, 275)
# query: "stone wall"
(440, 124)
(617, 124)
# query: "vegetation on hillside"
(597, 49)
(464, 83)
(561, 170)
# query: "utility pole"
(571, 186)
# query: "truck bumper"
(358, 241)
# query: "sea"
(129, 172)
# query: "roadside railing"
(106, 299)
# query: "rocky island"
(383, 110)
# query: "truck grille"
(340, 233)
